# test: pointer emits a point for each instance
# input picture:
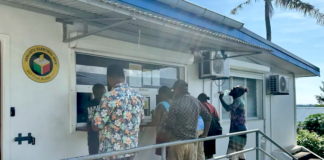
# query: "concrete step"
(302, 155)
(305, 156)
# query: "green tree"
(320, 98)
(305, 8)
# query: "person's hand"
(203, 136)
(221, 94)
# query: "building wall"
(43, 109)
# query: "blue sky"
(290, 30)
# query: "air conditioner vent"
(279, 85)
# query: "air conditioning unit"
(214, 65)
(279, 85)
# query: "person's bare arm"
(224, 104)
(156, 118)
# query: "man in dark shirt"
(182, 122)
(91, 108)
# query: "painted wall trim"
(249, 67)
(163, 9)
(122, 48)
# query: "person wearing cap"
(182, 122)
(215, 127)
(237, 110)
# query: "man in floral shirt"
(119, 117)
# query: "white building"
(154, 35)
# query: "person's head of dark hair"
(164, 93)
(238, 91)
(165, 90)
(203, 97)
(115, 71)
(98, 90)
(179, 87)
(115, 75)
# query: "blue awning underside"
(163, 9)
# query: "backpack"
(215, 127)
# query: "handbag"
(215, 127)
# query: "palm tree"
(320, 98)
(302, 7)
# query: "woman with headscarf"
(215, 128)
(236, 143)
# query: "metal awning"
(150, 24)
(149, 28)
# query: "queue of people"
(114, 119)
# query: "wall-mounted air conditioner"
(279, 85)
(214, 65)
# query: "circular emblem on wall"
(40, 64)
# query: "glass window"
(91, 70)
(253, 99)
(227, 99)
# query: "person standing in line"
(200, 145)
(119, 117)
(159, 115)
(215, 127)
(236, 143)
(90, 109)
(182, 122)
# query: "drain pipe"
(295, 107)
(203, 12)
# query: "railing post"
(257, 145)
(164, 153)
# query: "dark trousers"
(93, 148)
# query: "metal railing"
(164, 145)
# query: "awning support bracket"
(241, 55)
(85, 28)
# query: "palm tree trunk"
(267, 19)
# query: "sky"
(290, 30)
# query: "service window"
(253, 99)
(146, 78)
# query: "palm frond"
(302, 7)
(240, 7)
(320, 99)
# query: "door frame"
(5, 97)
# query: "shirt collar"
(182, 94)
(121, 85)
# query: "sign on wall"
(40, 64)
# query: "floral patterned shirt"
(119, 119)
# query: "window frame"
(74, 87)
(246, 75)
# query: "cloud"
(300, 29)
(292, 15)
(289, 40)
